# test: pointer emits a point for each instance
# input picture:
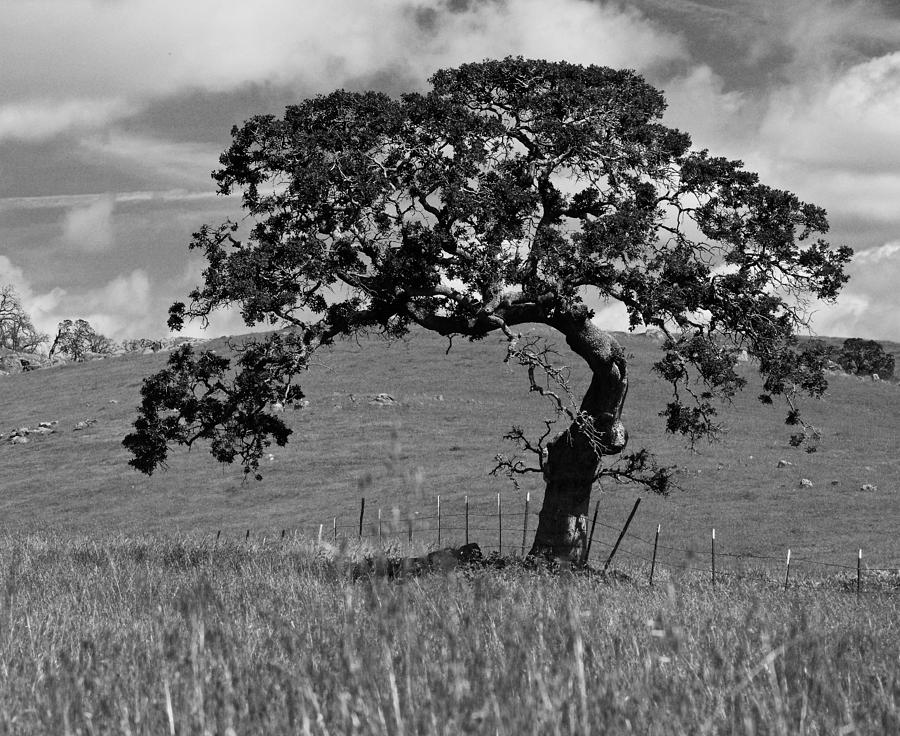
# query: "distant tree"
(76, 339)
(17, 331)
(504, 196)
(865, 357)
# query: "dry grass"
(153, 636)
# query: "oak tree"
(512, 192)
(17, 331)
(77, 339)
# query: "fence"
(496, 526)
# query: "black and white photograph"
(448, 367)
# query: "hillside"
(440, 438)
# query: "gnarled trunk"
(573, 458)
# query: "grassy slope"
(404, 455)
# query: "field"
(144, 636)
(122, 612)
(441, 438)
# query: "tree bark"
(574, 456)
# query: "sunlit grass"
(154, 636)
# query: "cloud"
(33, 121)
(876, 255)
(182, 163)
(155, 47)
(869, 304)
(848, 121)
(90, 228)
(41, 307)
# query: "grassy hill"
(440, 438)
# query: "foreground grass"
(154, 636)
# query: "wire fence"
(497, 528)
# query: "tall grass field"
(174, 604)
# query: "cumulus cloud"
(90, 228)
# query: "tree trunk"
(574, 456)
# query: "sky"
(113, 114)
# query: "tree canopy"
(514, 191)
(17, 331)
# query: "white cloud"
(700, 105)
(37, 120)
(41, 307)
(877, 255)
(90, 228)
(153, 47)
(869, 305)
(845, 121)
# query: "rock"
(876, 377)
(806, 483)
(868, 487)
(743, 357)
(784, 464)
(470, 553)
(383, 400)
(83, 424)
(278, 407)
(443, 560)
(48, 425)
(18, 440)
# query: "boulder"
(784, 464)
(806, 483)
(868, 487)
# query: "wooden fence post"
(525, 523)
(499, 527)
(362, 511)
(587, 550)
(653, 561)
(859, 574)
(380, 544)
(321, 526)
(247, 536)
(787, 569)
(334, 529)
(439, 519)
(713, 556)
(467, 519)
(622, 533)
